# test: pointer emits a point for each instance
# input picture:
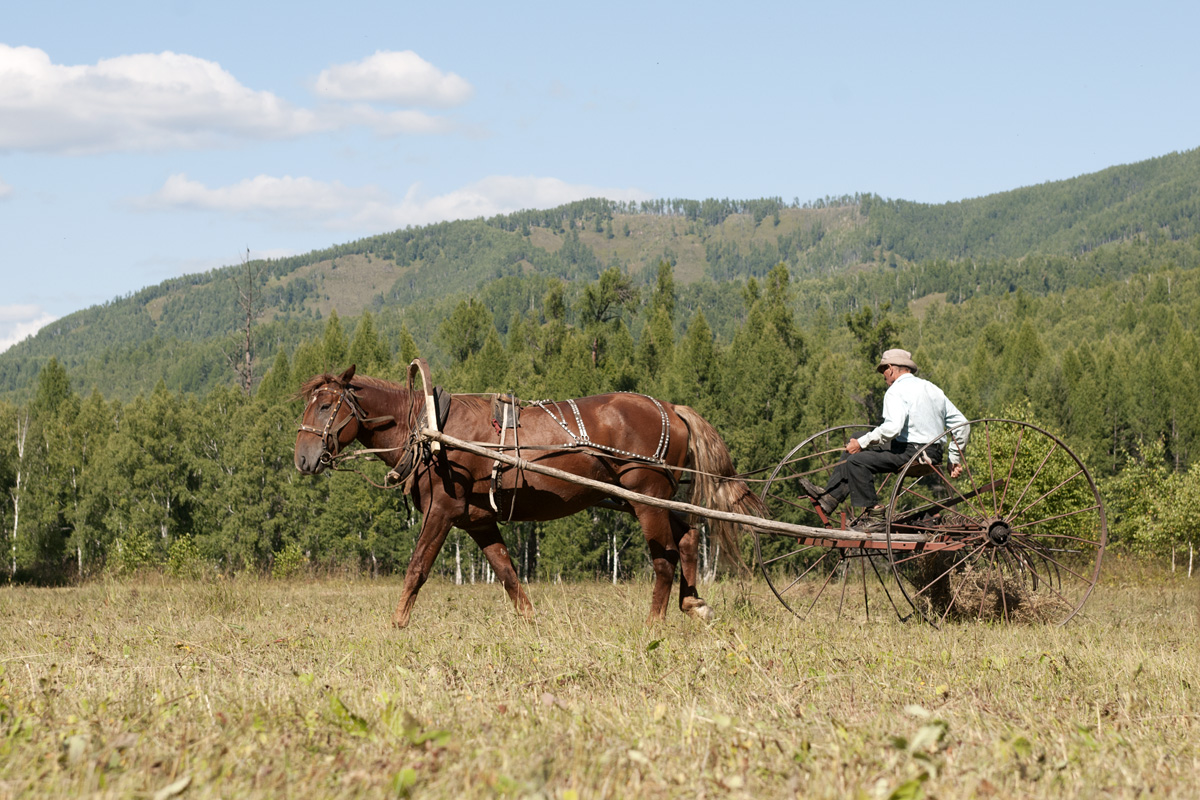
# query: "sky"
(140, 141)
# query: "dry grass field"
(250, 688)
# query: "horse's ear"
(347, 376)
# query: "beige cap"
(901, 358)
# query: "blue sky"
(144, 140)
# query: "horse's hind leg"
(687, 539)
(492, 544)
(664, 556)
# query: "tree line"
(202, 482)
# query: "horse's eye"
(324, 407)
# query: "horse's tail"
(715, 485)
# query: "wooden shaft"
(770, 525)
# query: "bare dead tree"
(251, 307)
(22, 431)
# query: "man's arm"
(958, 440)
(895, 411)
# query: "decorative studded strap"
(583, 440)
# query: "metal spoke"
(1048, 493)
(795, 552)
(1041, 552)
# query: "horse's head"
(331, 420)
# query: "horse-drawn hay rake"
(1018, 536)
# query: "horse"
(622, 439)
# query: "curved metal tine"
(820, 591)
(1053, 575)
(1050, 583)
(949, 569)
(954, 595)
(999, 570)
(1074, 604)
(1023, 572)
(800, 577)
(845, 568)
(796, 552)
(1046, 557)
(863, 577)
(1021, 567)
(882, 583)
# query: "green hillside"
(842, 253)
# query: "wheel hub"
(999, 533)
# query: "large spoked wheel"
(1018, 536)
(811, 575)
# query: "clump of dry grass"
(259, 688)
(971, 592)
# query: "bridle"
(330, 435)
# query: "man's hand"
(853, 446)
(956, 470)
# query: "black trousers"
(855, 474)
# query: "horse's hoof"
(701, 610)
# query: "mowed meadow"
(247, 688)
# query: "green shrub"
(184, 559)
(289, 562)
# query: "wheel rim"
(1018, 537)
(810, 575)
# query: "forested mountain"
(842, 253)
(126, 438)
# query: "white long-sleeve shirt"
(917, 411)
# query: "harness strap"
(583, 440)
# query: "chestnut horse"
(625, 439)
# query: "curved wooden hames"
(622, 439)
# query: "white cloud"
(401, 78)
(288, 199)
(498, 194)
(156, 101)
(335, 206)
(20, 321)
(388, 123)
(5, 190)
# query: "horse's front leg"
(434, 528)
(492, 543)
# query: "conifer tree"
(335, 345)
